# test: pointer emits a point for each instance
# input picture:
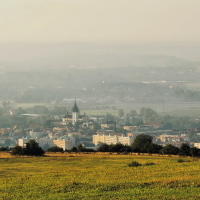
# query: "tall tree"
(140, 142)
(120, 113)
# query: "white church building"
(74, 117)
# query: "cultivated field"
(97, 176)
(175, 109)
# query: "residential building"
(108, 124)
(112, 139)
(197, 145)
(46, 143)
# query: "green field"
(175, 109)
(97, 176)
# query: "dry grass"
(97, 176)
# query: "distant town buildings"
(112, 139)
(74, 117)
(47, 143)
(74, 129)
(197, 145)
(108, 125)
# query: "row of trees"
(135, 118)
(142, 144)
(32, 148)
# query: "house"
(155, 125)
(130, 128)
(89, 125)
(108, 125)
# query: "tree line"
(142, 144)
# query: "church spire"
(75, 108)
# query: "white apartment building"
(197, 145)
(108, 139)
(43, 142)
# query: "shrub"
(134, 164)
(149, 163)
(17, 150)
(180, 160)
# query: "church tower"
(75, 113)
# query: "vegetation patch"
(137, 164)
(149, 163)
(134, 164)
(97, 176)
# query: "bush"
(149, 163)
(134, 164)
(17, 150)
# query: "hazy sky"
(122, 21)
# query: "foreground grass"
(97, 176)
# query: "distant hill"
(83, 55)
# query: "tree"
(150, 148)
(74, 149)
(128, 119)
(121, 113)
(103, 148)
(20, 111)
(17, 150)
(5, 103)
(55, 149)
(32, 149)
(148, 114)
(194, 151)
(113, 148)
(80, 148)
(133, 113)
(185, 149)
(48, 124)
(140, 142)
(77, 125)
(170, 149)
(133, 117)
(109, 117)
(116, 147)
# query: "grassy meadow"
(97, 176)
